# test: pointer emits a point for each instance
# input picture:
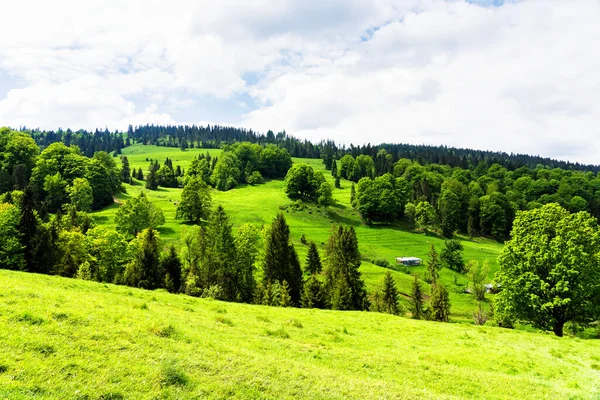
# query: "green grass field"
(71, 339)
(259, 205)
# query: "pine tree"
(152, 178)
(440, 303)
(343, 269)
(337, 182)
(334, 171)
(313, 260)
(341, 295)
(28, 225)
(281, 260)
(144, 271)
(433, 265)
(170, 265)
(416, 297)
(125, 171)
(140, 174)
(352, 195)
(285, 299)
(390, 294)
(313, 295)
(220, 266)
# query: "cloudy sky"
(520, 76)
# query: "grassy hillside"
(66, 338)
(259, 204)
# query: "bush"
(382, 262)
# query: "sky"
(516, 76)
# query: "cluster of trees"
(482, 201)
(303, 183)
(58, 175)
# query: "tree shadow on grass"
(340, 219)
(165, 230)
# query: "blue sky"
(518, 76)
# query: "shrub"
(382, 262)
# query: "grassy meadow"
(71, 339)
(259, 205)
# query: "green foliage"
(433, 266)
(137, 214)
(425, 216)
(301, 181)
(477, 275)
(450, 212)
(549, 269)
(11, 249)
(226, 174)
(281, 260)
(72, 252)
(416, 297)
(152, 176)
(313, 294)
(451, 256)
(313, 260)
(54, 186)
(108, 250)
(381, 199)
(144, 270)
(343, 278)
(389, 295)
(170, 266)
(440, 303)
(81, 194)
(325, 195)
(286, 299)
(196, 201)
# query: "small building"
(408, 261)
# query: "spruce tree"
(285, 298)
(313, 295)
(334, 170)
(341, 295)
(390, 294)
(152, 178)
(28, 225)
(144, 271)
(140, 174)
(125, 171)
(313, 260)
(352, 195)
(440, 303)
(170, 265)
(337, 182)
(220, 266)
(281, 260)
(343, 269)
(433, 265)
(416, 297)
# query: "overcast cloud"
(519, 76)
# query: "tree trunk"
(558, 328)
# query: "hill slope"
(66, 338)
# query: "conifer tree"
(313, 295)
(343, 270)
(28, 225)
(337, 182)
(390, 294)
(140, 174)
(313, 260)
(285, 299)
(352, 195)
(416, 297)
(144, 271)
(125, 170)
(220, 265)
(433, 265)
(170, 265)
(334, 171)
(152, 178)
(440, 303)
(281, 260)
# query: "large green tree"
(144, 271)
(137, 214)
(81, 194)
(302, 181)
(550, 268)
(11, 249)
(195, 204)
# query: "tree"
(390, 294)
(72, 252)
(337, 182)
(54, 186)
(286, 299)
(246, 245)
(343, 278)
(226, 173)
(196, 201)
(281, 261)
(550, 269)
(416, 297)
(451, 256)
(108, 250)
(144, 271)
(28, 224)
(140, 174)
(151, 177)
(301, 181)
(11, 249)
(125, 170)
(334, 171)
(313, 295)
(425, 216)
(347, 166)
(170, 265)
(433, 266)
(440, 303)
(352, 195)
(81, 194)
(381, 199)
(313, 260)
(325, 195)
(450, 212)
(137, 214)
(478, 274)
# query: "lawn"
(259, 205)
(71, 339)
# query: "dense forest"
(186, 136)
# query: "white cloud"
(521, 77)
